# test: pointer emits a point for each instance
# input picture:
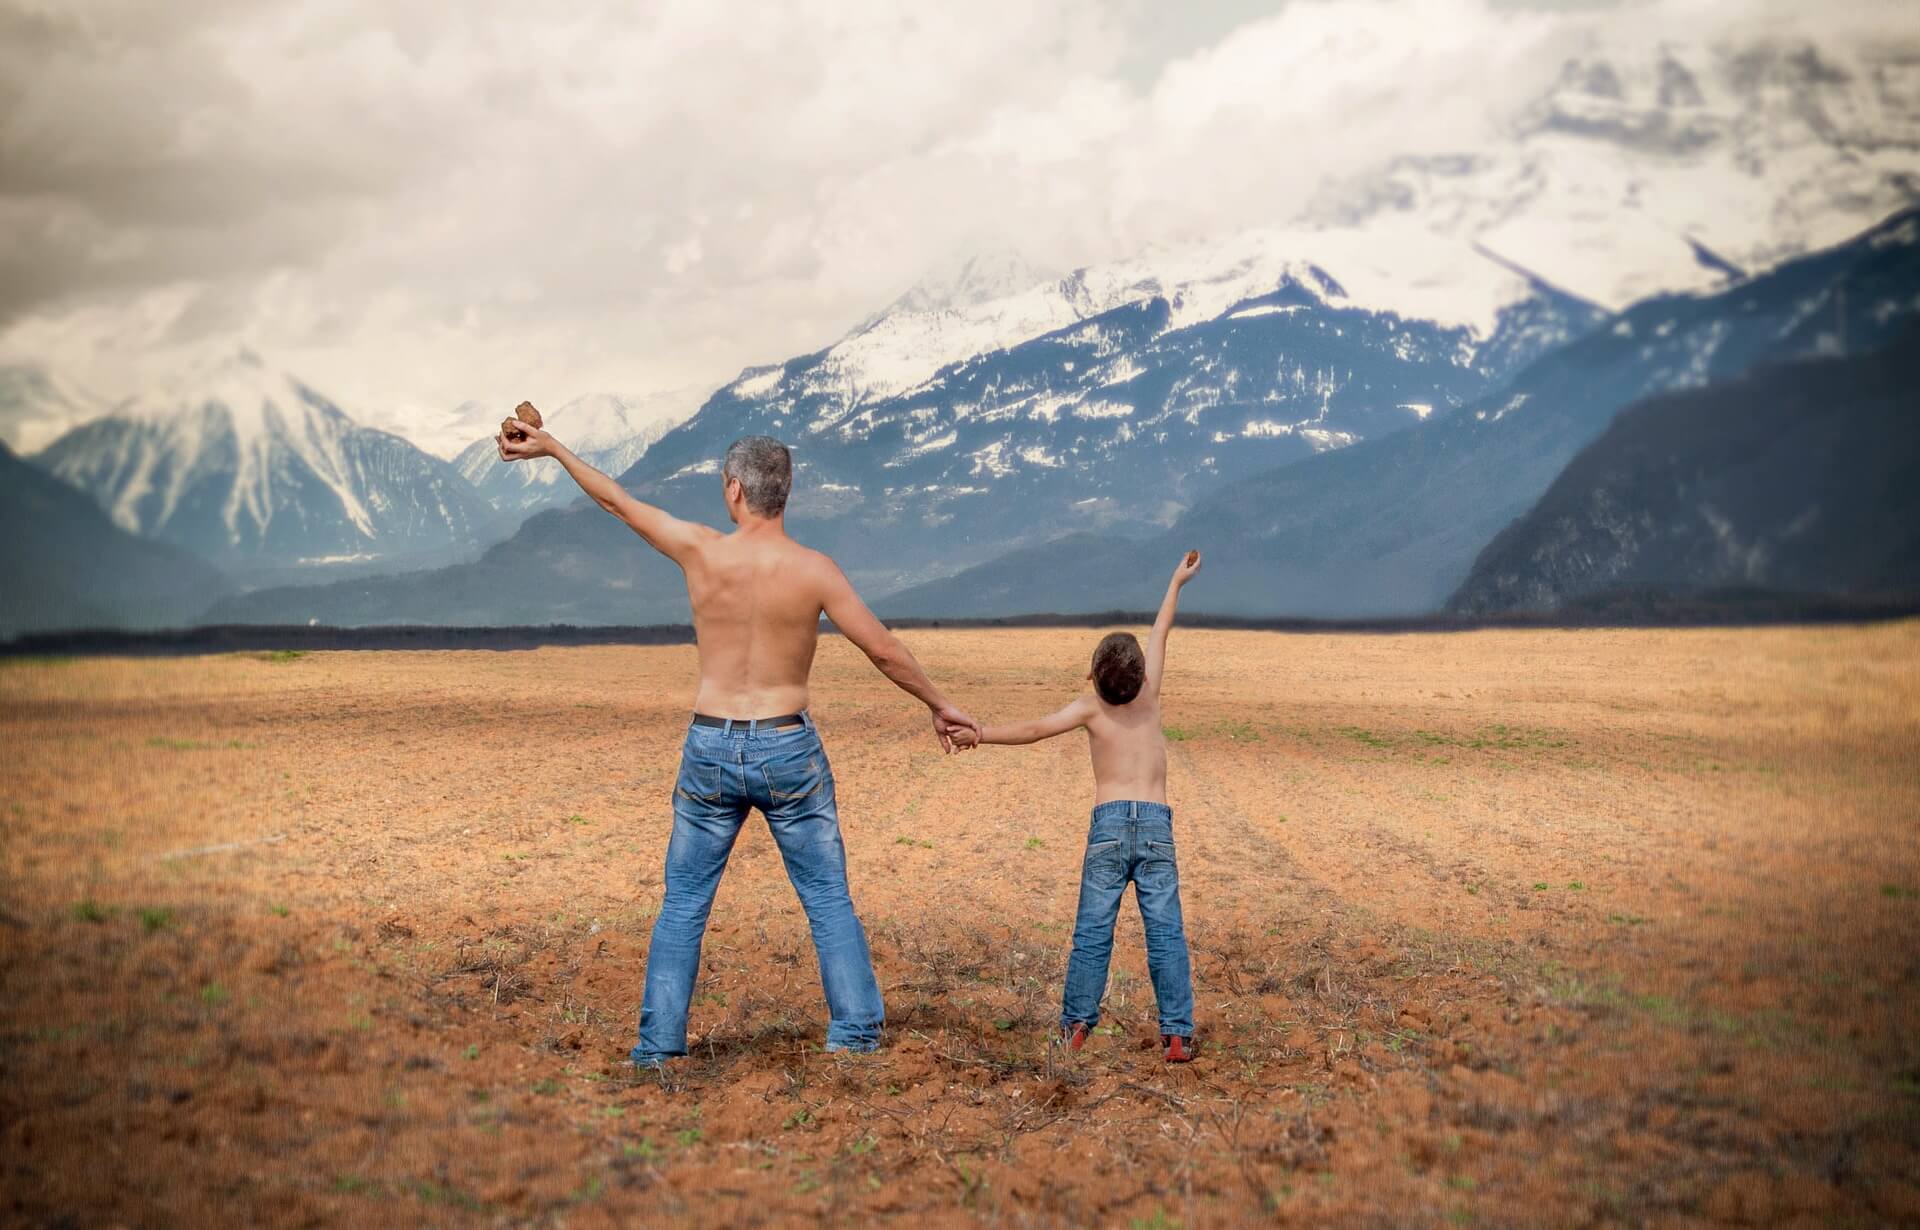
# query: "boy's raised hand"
(1189, 565)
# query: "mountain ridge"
(254, 470)
(1390, 526)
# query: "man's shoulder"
(808, 561)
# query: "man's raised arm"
(1163, 623)
(889, 653)
(663, 531)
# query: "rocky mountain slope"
(68, 566)
(1797, 477)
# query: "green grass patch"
(428, 1192)
(196, 745)
(1034, 843)
(354, 1185)
(155, 918)
(88, 910)
(904, 840)
(281, 655)
(1359, 734)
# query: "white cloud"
(414, 204)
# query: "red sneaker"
(1178, 1049)
(1073, 1036)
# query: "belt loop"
(753, 726)
(728, 728)
(1133, 810)
(806, 719)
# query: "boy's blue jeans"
(724, 771)
(1130, 842)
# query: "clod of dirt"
(526, 414)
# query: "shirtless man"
(757, 599)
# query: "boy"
(1131, 838)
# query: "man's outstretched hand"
(534, 441)
(954, 729)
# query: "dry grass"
(1515, 928)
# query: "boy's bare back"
(1129, 748)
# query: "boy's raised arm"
(1070, 717)
(1163, 623)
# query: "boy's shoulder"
(1144, 706)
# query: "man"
(757, 599)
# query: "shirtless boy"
(1131, 839)
(757, 598)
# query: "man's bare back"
(757, 601)
(757, 597)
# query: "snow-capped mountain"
(1121, 420)
(36, 406)
(255, 471)
(1656, 167)
(1115, 423)
(1392, 525)
(608, 432)
(1447, 282)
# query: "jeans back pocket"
(799, 773)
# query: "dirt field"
(1514, 928)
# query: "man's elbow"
(889, 660)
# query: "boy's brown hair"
(1119, 668)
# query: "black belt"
(772, 723)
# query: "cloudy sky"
(413, 204)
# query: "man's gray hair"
(764, 468)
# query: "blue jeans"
(724, 771)
(1130, 842)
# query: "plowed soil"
(1506, 928)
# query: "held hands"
(954, 728)
(1186, 569)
